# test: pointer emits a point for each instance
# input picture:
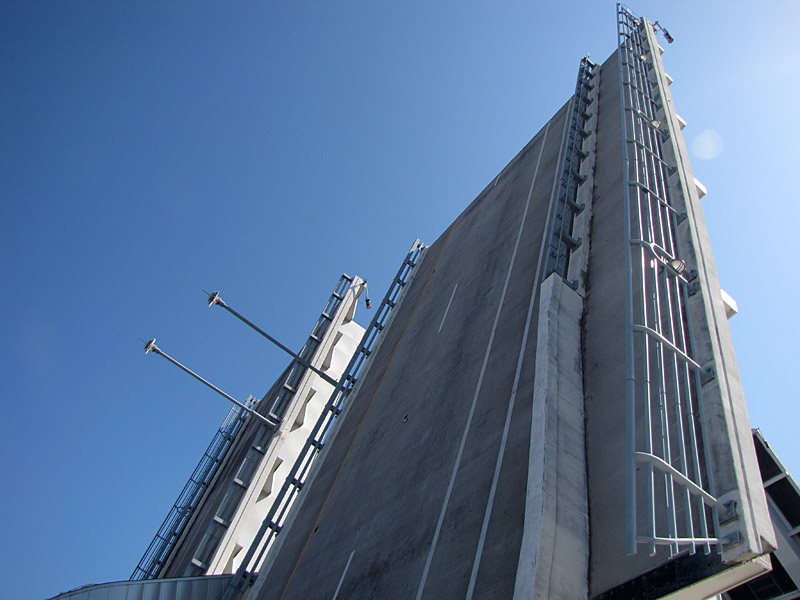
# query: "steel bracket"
(728, 512)
(707, 373)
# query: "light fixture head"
(677, 266)
(149, 346)
(214, 298)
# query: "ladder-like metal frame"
(178, 516)
(663, 397)
(562, 241)
(273, 405)
(293, 485)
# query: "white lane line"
(501, 451)
(448, 308)
(341, 579)
(477, 387)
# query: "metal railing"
(562, 242)
(178, 516)
(663, 399)
(273, 405)
(292, 486)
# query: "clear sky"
(151, 150)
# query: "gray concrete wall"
(422, 491)
(604, 345)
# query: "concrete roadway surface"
(422, 490)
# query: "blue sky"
(152, 150)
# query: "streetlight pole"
(151, 347)
(214, 298)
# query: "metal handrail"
(293, 484)
(273, 403)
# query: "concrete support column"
(554, 556)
